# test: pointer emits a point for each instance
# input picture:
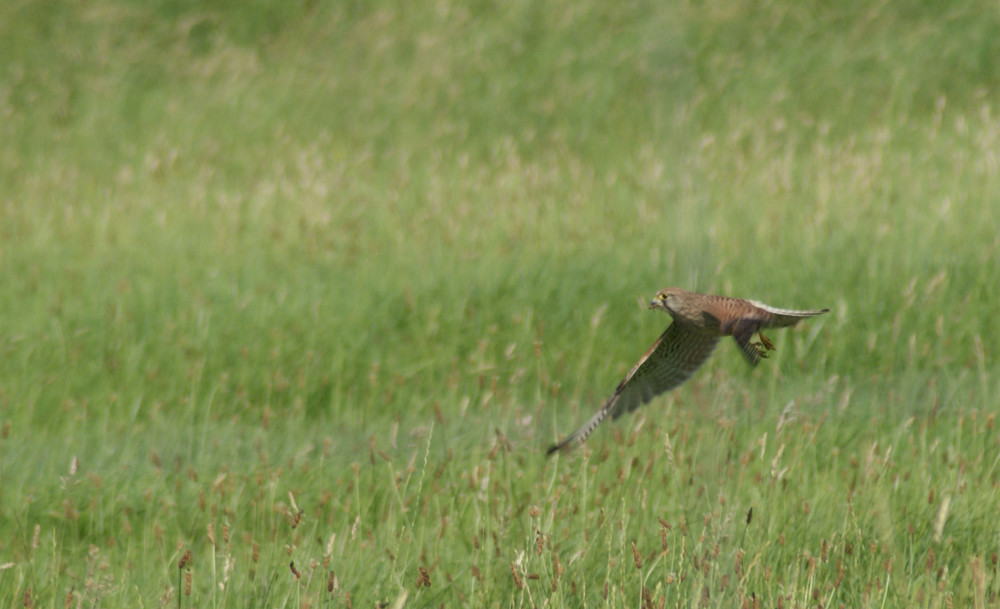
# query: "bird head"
(667, 299)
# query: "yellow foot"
(766, 342)
(761, 350)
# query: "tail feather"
(788, 317)
(789, 312)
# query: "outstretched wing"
(679, 351)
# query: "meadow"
(295, 295)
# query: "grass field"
(296, 294)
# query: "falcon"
(699, 321)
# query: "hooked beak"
(655, 304)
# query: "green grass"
(317, 283)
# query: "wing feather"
(742, 331)
(674, 357)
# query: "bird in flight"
(699, 321)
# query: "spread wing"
(679, 351)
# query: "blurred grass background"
(234, 234)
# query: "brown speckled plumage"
(699, 321)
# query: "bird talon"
(761, 350)
(766, 342)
